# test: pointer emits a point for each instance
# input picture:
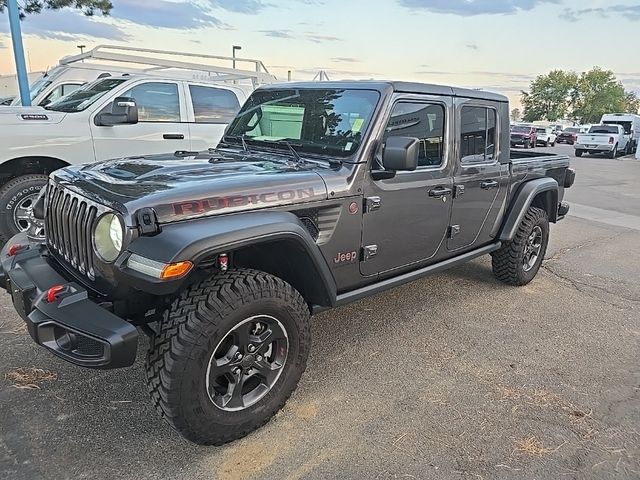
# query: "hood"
(180, 187)
(29, 115)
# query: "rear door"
(480, 181)
(210, 110)
(407, 216)
(161, 127)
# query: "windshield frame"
(234, 136)
(89, 101)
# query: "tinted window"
(85, 96)
(478, 134)
(157, 102)
(626, 125)
(422, 121)
(213, 105)
(604, 129)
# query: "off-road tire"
(579, 153)
(507, 262)
(197, 321)
(11, 194)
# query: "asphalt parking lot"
(455, 376)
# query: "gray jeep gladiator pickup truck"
(319, 194)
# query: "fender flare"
(201, 239)
(523, 199)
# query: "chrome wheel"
(24, 219)
(532, 249)
(247, 363)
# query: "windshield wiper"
(295, 154)
(241, 138)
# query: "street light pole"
(18, 52)
(82, 47)
(233, 53)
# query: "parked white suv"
(546, 136)
(111, 117)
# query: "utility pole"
(18, 52)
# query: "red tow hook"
(52, 293)
(15, 249)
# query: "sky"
(489, 44)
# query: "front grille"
(69, 228)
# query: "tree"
(599, 92)
(550, 96)
(632, 103)
(516, 115)
(88, 7)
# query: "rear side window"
(157, 102)
(213, 105)
(478, 134)
(424, 121)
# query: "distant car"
(524, 135)
(546, 136)
(6, 101)
(569, 135)
(608, 139)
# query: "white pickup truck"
(608, 139)
(111, 117)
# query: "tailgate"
(595, 138)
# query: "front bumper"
(72, 326)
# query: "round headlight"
(107, 237)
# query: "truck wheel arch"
(19, 166)
(541, 193)
(273, 242)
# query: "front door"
(406, 217)
(160, 127)
(480, 181)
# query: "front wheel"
(17, 198)
(229, 353)
(517, 262)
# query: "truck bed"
(528, 165)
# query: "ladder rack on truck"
(163, 61)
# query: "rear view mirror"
(124, 111)
(401, 154)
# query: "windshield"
(520, 129)
(572, 130)
(541, 130)
(324, 121)
(625, 125)
(603, 129)
(86, 96)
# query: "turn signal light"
(53, 292)
(611, 140)
(175, 270)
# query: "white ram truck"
(109, 118)
(608, 139)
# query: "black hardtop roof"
(403, 87)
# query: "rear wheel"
(614, 153)
(518, 261)
(579, 153)
(17, 199)
(229, 353)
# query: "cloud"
(630, 12)
(468, 8)
(277, 33)
(67, 25)
(164, 14)
(345, 60)
(316, 38)
(250, 7)
(472, 46)
(2, 45)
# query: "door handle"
(488, 184)
(173, 136)
(440, 192)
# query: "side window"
(424, 121)
(69, 87)
(478, 135)
(157, 102)
(213, 105)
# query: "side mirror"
(401, 154)
(124, 111)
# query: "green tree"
(516, 115)
(88, 7)
(550, 96)
(632, 103)
(599, 92)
